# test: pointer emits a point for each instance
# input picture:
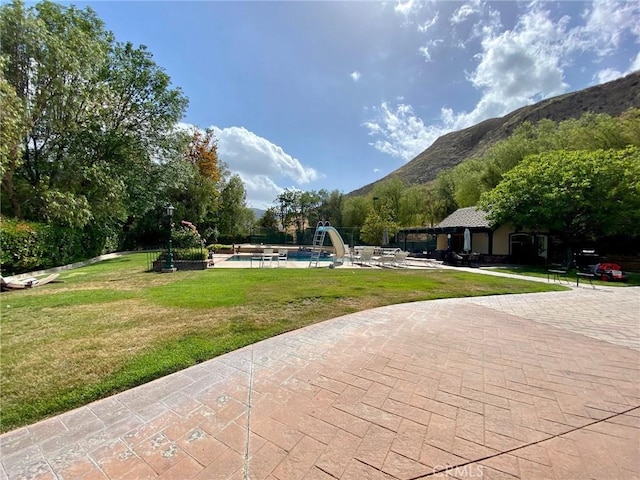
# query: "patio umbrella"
(385, 237)
(467, 240)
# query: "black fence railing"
(183, 258)
(154, 253)
(350, 235)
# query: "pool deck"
(529, 386)
(220, 261)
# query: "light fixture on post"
(169, 267)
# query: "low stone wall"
(158, 265)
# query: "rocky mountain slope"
(611, 98)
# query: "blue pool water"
(294, 256)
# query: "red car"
(609, 272)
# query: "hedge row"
(29, 246)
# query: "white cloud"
(407, 7)
(489, 24)
(515, 67)
(424, 28)
(261, 190)
(465, 11)
(403, 134)
(606, 24)
(608, 74)
(526, 64)
(376, 170)
(518, 67)
(425, 49)
(244, 151)
(355, 76)
(262, 165)
(635, 64)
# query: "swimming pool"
(293, 256)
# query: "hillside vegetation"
(577, 179)
(612, 98)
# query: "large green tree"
(355, 211)
(235, 218)
(389, 208)
(579, 194)
(463, 185)
(287, 206)
(376, 226)
(413, 207)
(443, 195)
(387, 197)
(53, 58)
(269, 220)
(331, 206)
(197, 197)
(98, 116)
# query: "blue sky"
(336, 95)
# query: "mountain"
(258, 212)
(449, 150)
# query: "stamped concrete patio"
(511, 387)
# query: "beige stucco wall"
(480, 243)
(501, 240)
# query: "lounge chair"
(365, 257)
(400, 259)
(267, 256)
(45, 280)
(283, 254)
(7, 285)
(386, 260)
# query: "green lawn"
(112, 325)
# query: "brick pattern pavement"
(607, 313)
(498, 387)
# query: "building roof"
(469, 217)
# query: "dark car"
(609, 272)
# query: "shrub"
(185, 236)
(190, 254)
(29, 246)
(20, 248)
(219, 246)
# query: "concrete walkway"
(512, 387)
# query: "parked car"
(609, 272)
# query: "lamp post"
(169, 267)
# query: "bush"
(190, 254)
(219, 246)
(20, 246)
(184, 237)
(29, 246)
